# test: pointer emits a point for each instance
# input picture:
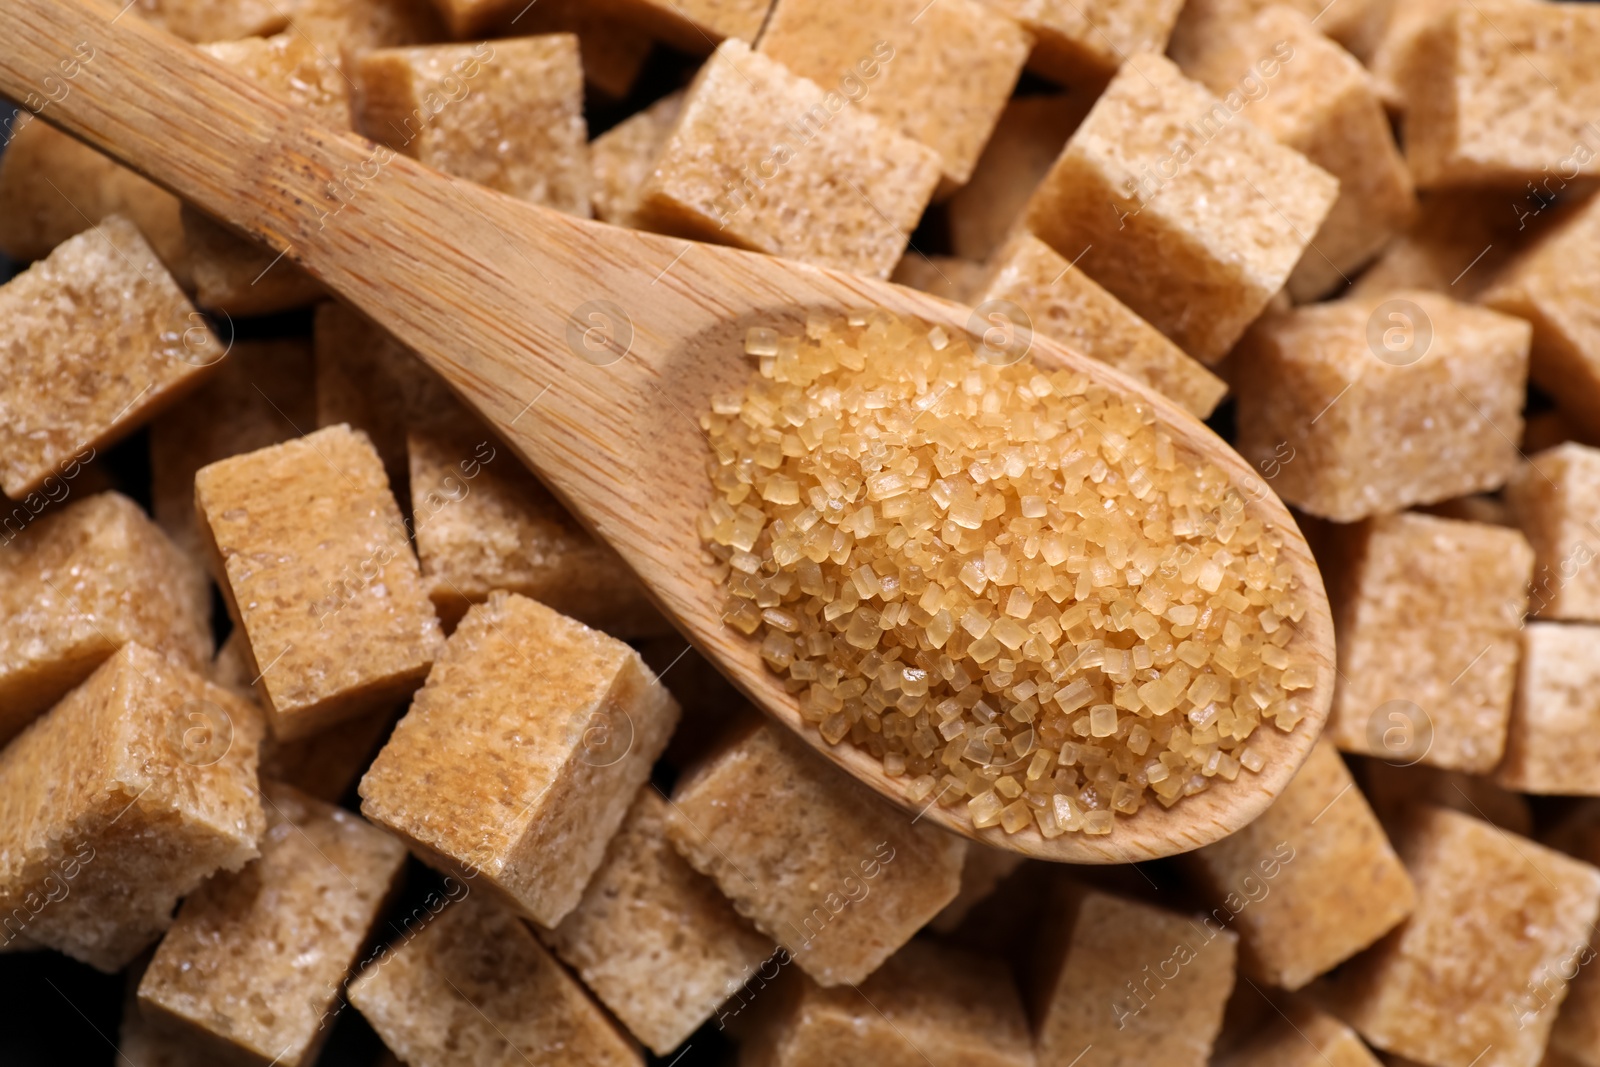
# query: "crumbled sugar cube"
(572, 720)
(346, 28)
(308, 545)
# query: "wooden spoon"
(594, 350)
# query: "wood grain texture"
(486, 288)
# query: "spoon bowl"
(591, 349)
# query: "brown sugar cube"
(1138, 984)
(624, 156)
(1322, 105)
(201, 21)
(1382, 403)
(1428, 642)
(927, 1005)
(1553, 499)
(614, 48)
(327, 764)
(260, 396)
(233, 273)
(694, 26)
(1305, 1037)
(1548, 284)
(746, 116)
(836, 875)
(98, 339)
(653, 938)
(1546, 430)
(80, 583)
(1179, 206)
(945, 276)
(1083, 44)
(1064, 303)
(1479, 111)
(50, 182)
(324, 765)
(981, 874)
(308, 545)
(1494, 915)
(511, 1002)
(1289, 883)
(346, 28)
(1551, 745)
(483, 522)
(1392, 788)
(1575, 1037)
(1396, 45)
(1029, 136)
(508, 1001)
(939, 74)
(1459, 242)
(376, 384)
(509, 114)
(1357, 26)
(255, 960)
(572, 721)
(139, 784)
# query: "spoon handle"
(495, 293)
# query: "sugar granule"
(1009, 584)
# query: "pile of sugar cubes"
(329, 731)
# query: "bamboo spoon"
(592, 349)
